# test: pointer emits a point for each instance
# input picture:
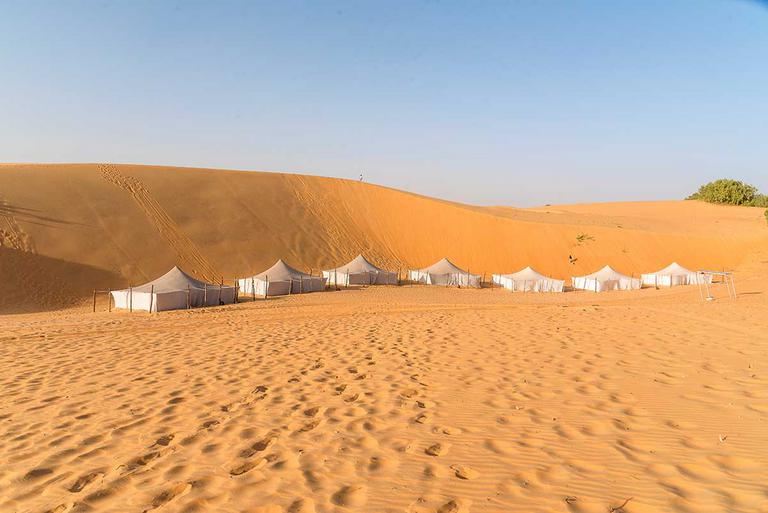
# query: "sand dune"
(132, 223)
(405, 399)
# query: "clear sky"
(514, 103)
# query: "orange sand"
(67, 229)
(391, 399)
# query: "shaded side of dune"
(128, 224)
(33, 282)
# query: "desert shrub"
(729, 192)
(761, 200)
(766, 215)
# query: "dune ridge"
(130, 223)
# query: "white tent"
(279, 280)
(675, 274)
(444, 273)
(174, 290)
(605, 279)
(528, 280)
(359, 272)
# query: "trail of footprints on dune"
(323, 433)
(96, 482)
(185, 248)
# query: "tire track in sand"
(337, 220)
(186, 250)
(12, 235)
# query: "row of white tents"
(178, 290)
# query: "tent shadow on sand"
(39, 283)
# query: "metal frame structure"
(727, 277)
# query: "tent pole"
(205, 295)
(151, 297)
(266, 287)
(94, 300)
(221, 284)
(130, 298)
(188, 300)
(253, 288)
(109, 300)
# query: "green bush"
(729, 192)
(766, 215)
(761, 200)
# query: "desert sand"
(68, 229)
(378, 399)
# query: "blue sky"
(514, 103)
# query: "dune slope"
(118, 224)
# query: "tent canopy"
(281, 271)
(528, 280)
(359, 264)
(173, 291)
(443, 266)
(675, 274)
(673, 269)
(605, 274)
(172, 281)
(526, 274)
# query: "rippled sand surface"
(409, 399)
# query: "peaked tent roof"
(672, 269)
(359, 264)
(173, 281)
(528, 274)
(443, 266)
(281, 272)
(606, 273)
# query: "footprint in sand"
(464, 472)
(169, 495)
(247, 466)
(350, 496)
(422, 418)
(454, 506)
(302, 506)
(62, 508)
(164, 440)
(438, 449)
(85, 481)
(261, 445)
(144, 460)
(37, 473)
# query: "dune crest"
(133, 223)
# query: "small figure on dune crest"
(361, 177)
